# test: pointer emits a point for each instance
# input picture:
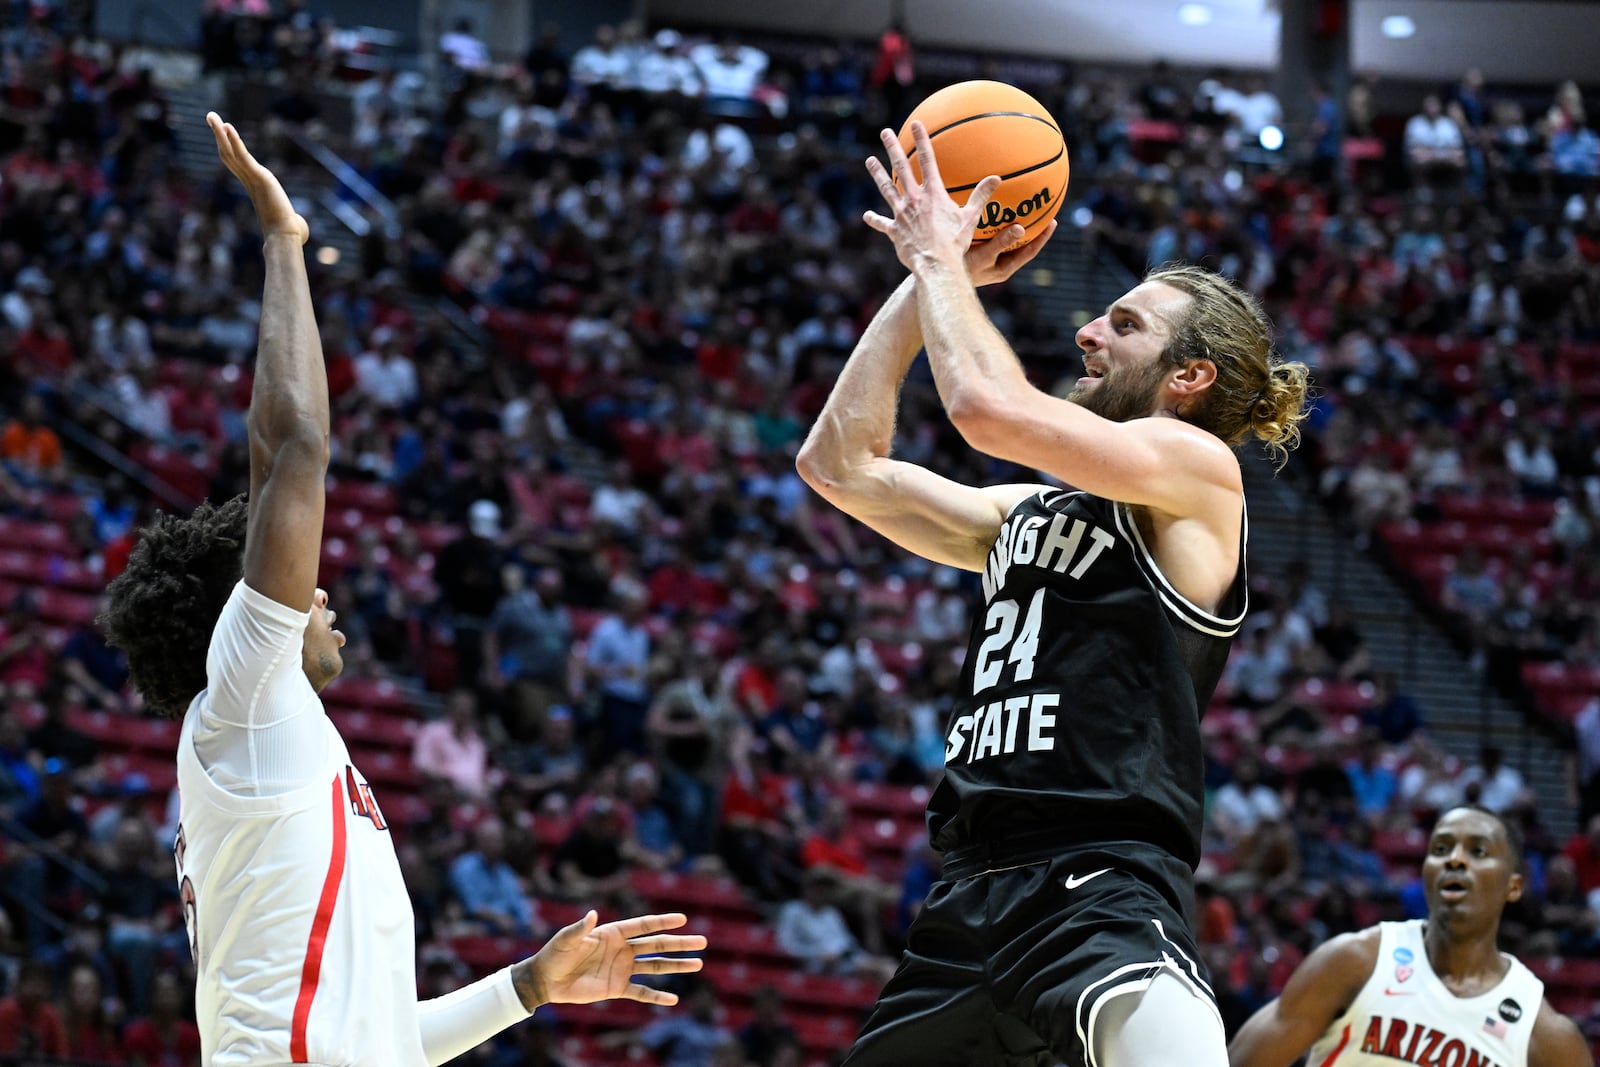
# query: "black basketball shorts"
(1009, 966)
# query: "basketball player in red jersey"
(1435, 992)
(299, 921)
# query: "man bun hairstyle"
(1257, 394)
(164, 606)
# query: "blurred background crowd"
(605, 647)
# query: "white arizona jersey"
(298, 915)
(1405, 1014)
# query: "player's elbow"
(821, 467)
(977, 414)
(296, 436)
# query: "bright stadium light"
(1397, 26)
(1194, 14)
(1271, 138)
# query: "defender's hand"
(928, 226)
(276, 214)
(584, 962)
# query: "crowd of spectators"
(649, 648)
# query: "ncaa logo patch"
(1510, 1010)
(1402, 958)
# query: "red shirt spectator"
(164, 1039)
(90, 1035)
(43, 351)
(759, 798)
(842, 853)
(1584, 852)
(678, 586)
(29, 1023)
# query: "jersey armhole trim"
(1193, 615)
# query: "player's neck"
(1464, 956)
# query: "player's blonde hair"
(1256, 393)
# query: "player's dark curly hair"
(164, 605)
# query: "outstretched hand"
(928, 225)
(273, 209)
(586, 962)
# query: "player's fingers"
(668, 943)
(238, 145)
(878, 222)
(663, 965)
(1025, 254)
(898, 163)
(646, 995)
(981, 195)
(925, 160)
(881, 179)
(645, 925)
(577, 931)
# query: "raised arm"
(1160, 463)
(1317, 993)
(288, 420)
(846, 456)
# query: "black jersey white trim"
(1196, 617)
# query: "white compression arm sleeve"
(466, 1018)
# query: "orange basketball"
(979, 128)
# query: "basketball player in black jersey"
(1069, 815)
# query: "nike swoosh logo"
(1398, 992)
(1076, 880)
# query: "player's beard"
(1125, 392)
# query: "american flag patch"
(1497, 1027)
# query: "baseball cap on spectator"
(668, 39)
(483, 518)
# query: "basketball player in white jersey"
(298, 917)
(1436, 992)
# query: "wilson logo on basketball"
(998, 215)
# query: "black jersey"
(1084, 683)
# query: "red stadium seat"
(754, 943)
(375, 729)
(68, 609)
(825, 1034)
(369, 497)
(694, 894)
(486, 953)
(1400, 848)
(872, 798)
(388, 768)
(36, 537)
(368, 694)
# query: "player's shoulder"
(1348, 956)
(1556, 1041)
